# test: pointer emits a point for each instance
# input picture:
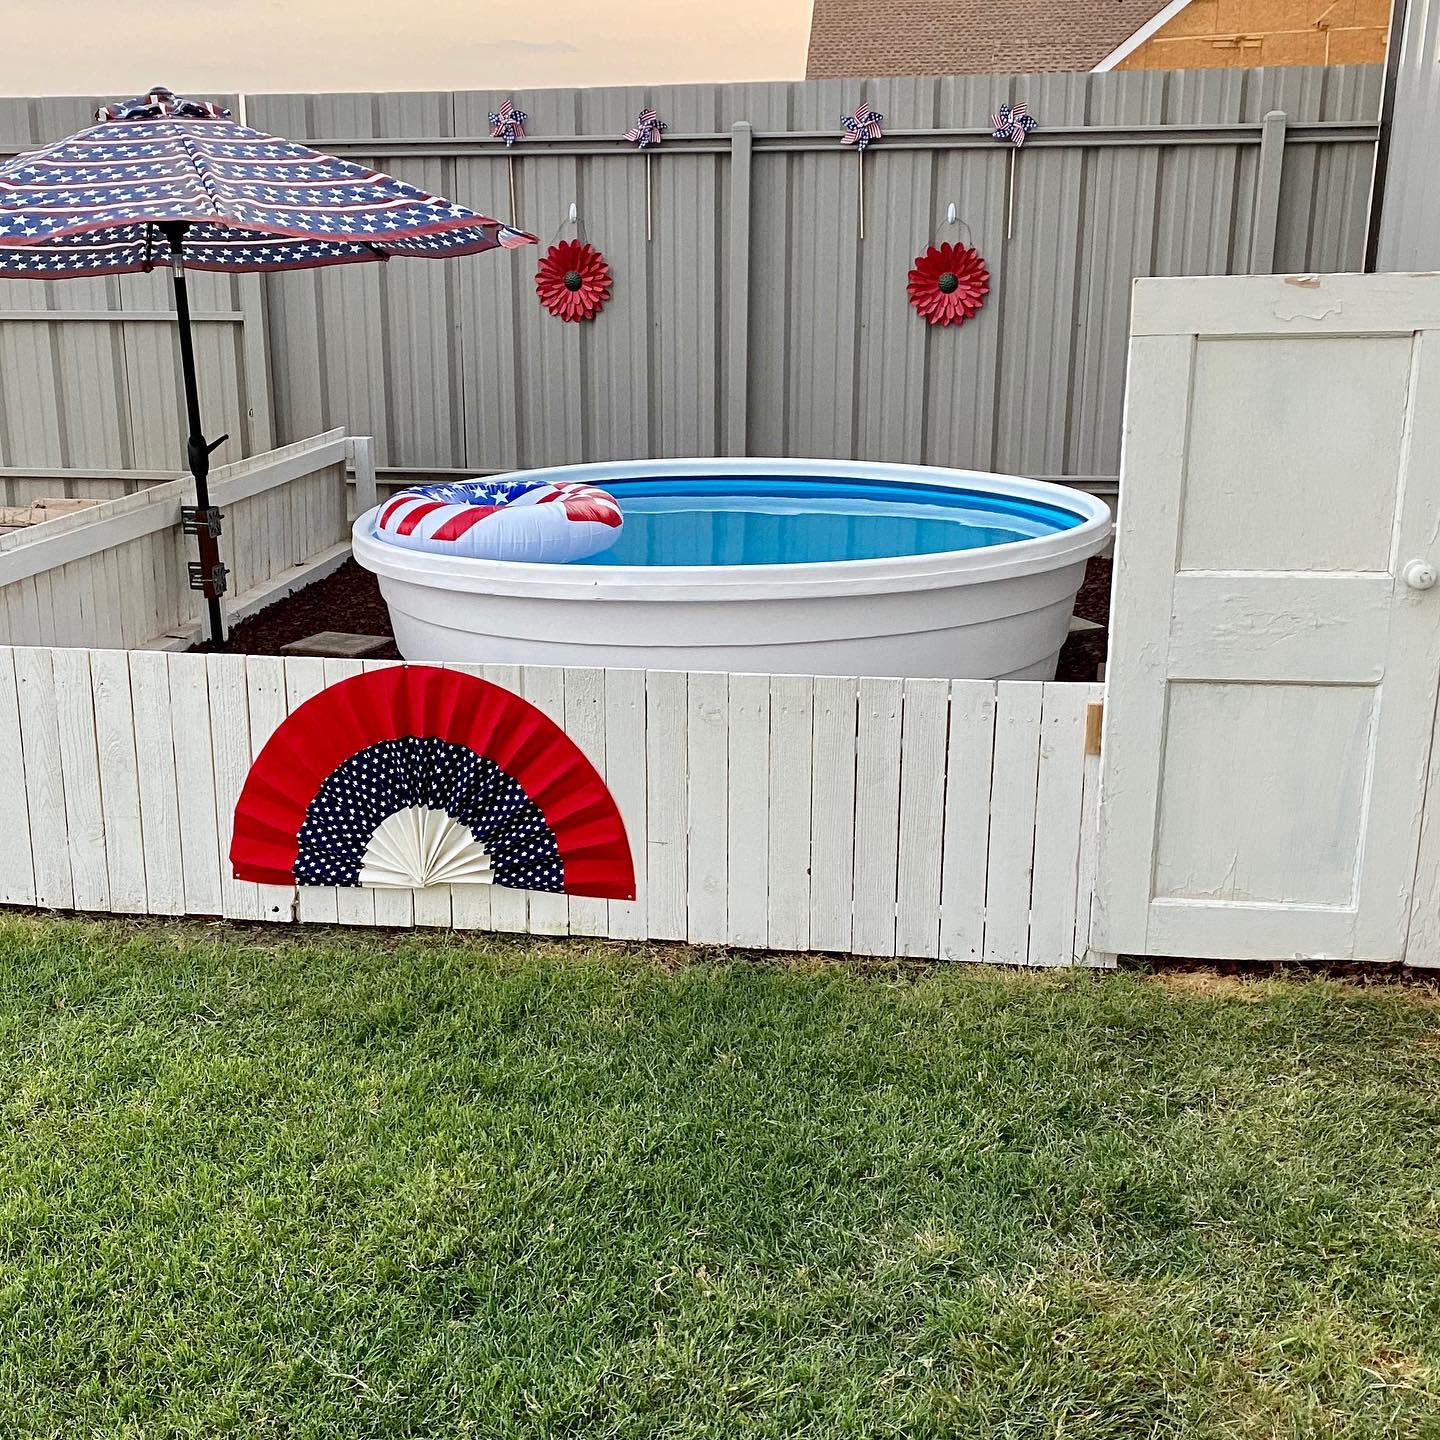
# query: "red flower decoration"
(573, 280)
(949, 284)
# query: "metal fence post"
(737, 306)
(1267, 193)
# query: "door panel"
(1272, 680)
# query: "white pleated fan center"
(417, 847)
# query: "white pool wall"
(1000, 612)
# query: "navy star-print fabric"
(396, 774)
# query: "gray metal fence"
(753, 319)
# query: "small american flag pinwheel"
(507, 124)
(862, 127)
(1012, 122)
(646, 130)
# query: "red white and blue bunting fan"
(860, 128)
(412, 776)
(644, 135)
(1012, 122)
(508, 124)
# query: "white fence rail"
(115, 574)
(924, 818)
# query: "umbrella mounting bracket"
(209, 577)
(201, 519)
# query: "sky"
(123, 47)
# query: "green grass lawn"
(329, 1186)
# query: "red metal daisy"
(573, 280)
(949, 284)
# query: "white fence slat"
(200, 855)
(667, 857)
(1089, 848)
(1012, 823)
(469, 904)
(304, 679)
(707, 811)
(17, 869)
(1059, 799)
(268, 706)
(119, 779)
(922, 817)
(625, 775)
(585, 725)
(79, 757)
(230, 747)
(544, 688)
(832, 814)
(43, 779)
(969, 759)
(354, 904)
(748, 811)
(393, 908)
(509, 909)
(877, 815)
(159, 805)
(792, 706)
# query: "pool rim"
(924, 570)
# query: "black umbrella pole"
(201, 519)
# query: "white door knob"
(1421, 575)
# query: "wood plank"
(394, 908)
(1059, 799)
(1012, 822)
(625, 758)
(585, 725)
(969, 765)
(304, 679)
(748, 811)
(877, 815)
(80, 761)
(201, 858)
(119, 780)
(1089, 847)
(792, 708)
(17, 869)
(922, 817)
(667, 857)
(44, 779)
(707, 808)
(155, 763)
(509, 909)
(544, 688)
(268, 707)
(354, 904)
(832, 814)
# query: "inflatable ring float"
(525, 521)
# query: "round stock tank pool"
(815, 567)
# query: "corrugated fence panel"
(456, 367)
(920, 818)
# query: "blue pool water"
(791, 520)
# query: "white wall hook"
(950, 213)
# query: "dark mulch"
(350, 600)
(1085, 652)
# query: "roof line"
(1127, 47)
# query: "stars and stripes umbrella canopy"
(98, 202)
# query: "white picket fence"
(923, 818)
(115, 574)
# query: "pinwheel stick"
(1010, 197)
(860, 197)
(649, 231)
(514, 208)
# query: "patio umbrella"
(163, 180)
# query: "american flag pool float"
(95, 203)
(524, 521)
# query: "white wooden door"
(1271, 690)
